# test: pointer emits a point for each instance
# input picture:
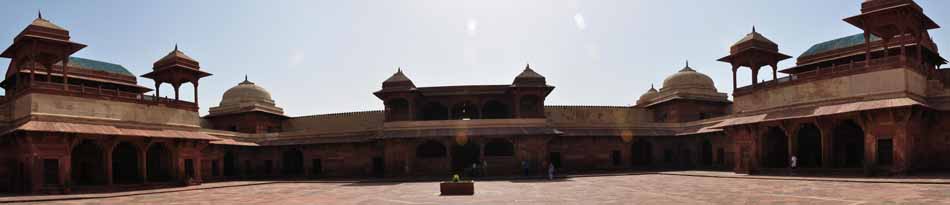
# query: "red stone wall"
(688, 110)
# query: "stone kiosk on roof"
(871, 104)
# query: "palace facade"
(874, 103)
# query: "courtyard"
(618, 189)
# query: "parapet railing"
(885, 63)
(107, 94)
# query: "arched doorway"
(809, 146)
(463, 156)
(230, 168)
(706, 149)
(430, 149)
(775, 149)
(86, 162)
(848, 145)
(464, 110)
(642, 151)
(125, 163)
(435, 111)
(292, 162)
(495, 110)
(158, 163)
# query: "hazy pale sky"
(319, 57)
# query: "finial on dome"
(176, 49)
(527, 66)
(753, 28)
(399, 69)
(245, 77)
(39, 14)
(687, 63)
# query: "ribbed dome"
(246, 92)
(688, 78)
(650, 95)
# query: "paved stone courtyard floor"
(623, 189)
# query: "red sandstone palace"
(874, 103)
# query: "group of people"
(481, 169)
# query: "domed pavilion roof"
(246, 97)
(688, 78)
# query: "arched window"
(495, 110)
(464, 110)
(435, 111)
(398, 110)
(530, 106)
(499, 147)
(430, 149)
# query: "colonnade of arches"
(90, 163)
(845, 148)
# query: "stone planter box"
(457, 188)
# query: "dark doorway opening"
(809, 146)
(642, 152)
(159, 163)
(848, 145)
(885, 152)
(614, 158)
(463, 156)
(706, 148)
(379, 167)
(229, 164)
(86, 164)
(435, 111)
(721, 152)
(555, 159)
(268, 167)
(189, 169)
(50, 171)
(465, 110)
(215, 171)
(125, 162)
(495, 110)
(775, 149)
(292, 162)
(317, 167)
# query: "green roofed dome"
(845, 42)
(97, 65)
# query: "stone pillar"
(195, 84)
(176, 86)
(827, 139)
(158, 89)
(870, 151)
(142, 163)
(900, 163)
(735, 68)
(775, 71)
(107, 163)
(867, 48)
(65, 71)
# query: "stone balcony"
(884, 78)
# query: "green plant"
(455, 178)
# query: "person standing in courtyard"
(524, 167)
(550, 171)
(793, 163)
(484, 168)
